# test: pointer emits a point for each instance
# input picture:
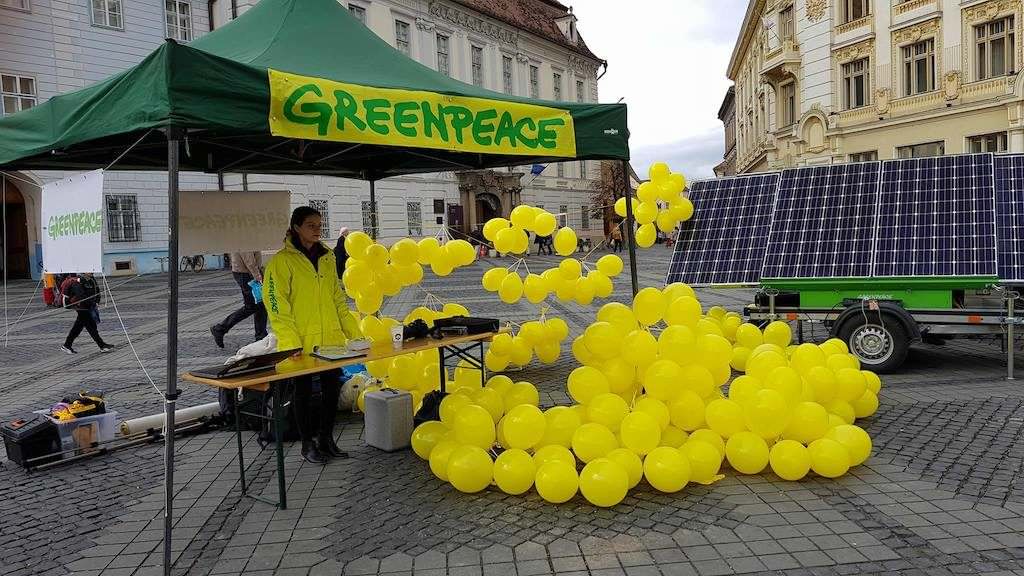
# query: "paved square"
(943, 492)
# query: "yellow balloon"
(602, 284)
(866, 405)
(565, 241)
(850, 384)
(766, 414)
(461, 252)
(687, 411)
(710, 437)
(678, 343)
(602, 339)
(646, 234)
(511, 289)
(785, 381)
(683, 311)
(808, 423)
(369, 303)
(673, 437)
(843, 410)
(356, 244)
(618, 315)
(805, 357)
(761, 365)
(725, 417)
(604, 483)
(582, 354)
(630, 463)
(544, 224)
(440, 456)
(743, 388)
(556, 482)
(548, 352)
(523, 216)
(837, 362)
(591, 441)
(647, 192)
(646, 213)
(514, 471)
(649, 306)
(470, 469)
(505, 240)
(747, 452)
(607, 410)
(521, 393)
(639, 348)
(473, 425)
(587, 382)
(698, 379)
(584, 291)
(678, 290)
(749, 336)
(705, 461)
(502, 344)
(661, 380)
(655, 409)
(440, 265)
(790, 460)
(561, 423)
(489, 399)
(829, 458)
(535, 288)
(682, 210)
(778, 333)
(823, 384)
(640, 432)
(610, 265)
(665, 221)
(553, 453)
(426, 436)
(872, 381)
(856, 441)
(666, 469)
(524, 426)
(404, 252)
(740, 355)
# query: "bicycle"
(196, 263)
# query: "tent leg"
(630, 239)
(373, 209)
(174, 136)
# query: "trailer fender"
(890, 308)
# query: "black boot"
(329, 448)
(311, 454)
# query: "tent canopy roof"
(217, 89)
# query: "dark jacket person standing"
(308, 309)
(340, 254)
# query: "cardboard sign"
(73, 224)
(219, 222)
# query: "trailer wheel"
(880, 347)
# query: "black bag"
(263, 403)
(430, 409)
(466, 325)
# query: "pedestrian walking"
(245, 267)
(307, 309)
(616, 237)
(80, 293)
(340, 254)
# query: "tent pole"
(629, 227)
(373, 209)
(174, 136)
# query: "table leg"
(238, 439)
(279, 447)
(483, 373)
(441, 359)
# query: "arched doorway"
(487, 206)
(14, 257)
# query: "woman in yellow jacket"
(307, 308)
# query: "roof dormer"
(567, 24)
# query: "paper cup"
(397, 335)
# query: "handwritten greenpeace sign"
(318, 109)
(223, 222)
(72, 218)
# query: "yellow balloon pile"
(659, 204)
(511, 236)
(570, 281)
(373, 271)
(542, 338)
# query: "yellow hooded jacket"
(306, 307)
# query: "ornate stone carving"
(951, 83)
(816, 9)
(865, 49)
(424, 24)
(916, 32)
(522, 58)
(582, 65)
(882, 99)
(474, 23)
(989, 10)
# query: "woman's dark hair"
(299, 216)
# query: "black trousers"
(317, 420)
(249, 308)
(84, 320)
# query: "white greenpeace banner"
(224, 222)
(73, 224)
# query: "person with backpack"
(81, 293)
(307, 309)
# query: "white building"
(526, 48)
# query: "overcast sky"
(668, 58)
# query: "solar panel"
(1010, 217)
(824, 222)
(936, 217)
(724, 242)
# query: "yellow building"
(829, 81)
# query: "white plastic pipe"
(156, 421)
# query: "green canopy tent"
(296, 87)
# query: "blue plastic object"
(257, 290)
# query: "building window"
(402, 36)
(563, 215)
(16, 4)
(994, 42)
(579, 91)
(359, 12)
(477, 64)
(921, 150)
(556, 86)
(506, 73)
(786, 24)
(415, 218)
(534, 82)
(856, 84)
(122, 218)
(995, 142)
(323, 206)
(19, 93)
(442, 55)
(367, 217)
(438, 206)
(107, 13)
(855, 10)
(919, 67)
(870, 156)
(179, 20)
(585, 217)
(788, 101)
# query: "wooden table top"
(304, 365)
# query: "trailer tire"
(881, 348)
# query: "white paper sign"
(73, 224)
(218, 222)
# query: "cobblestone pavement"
(943, 492)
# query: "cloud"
(695, 156)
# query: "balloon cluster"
(659, 204)
(511, 236)
(653, 408)
(542, 338)
(373, 271)
(570, 281)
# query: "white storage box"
(388, 420)
(80, 433)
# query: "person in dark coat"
(83, 296)
(340, 254)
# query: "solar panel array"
(1009, 176)
(724, 242)
(949, 216)
(824, 224)
(937, 217)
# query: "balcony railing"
(865, 22)
(910, 5)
